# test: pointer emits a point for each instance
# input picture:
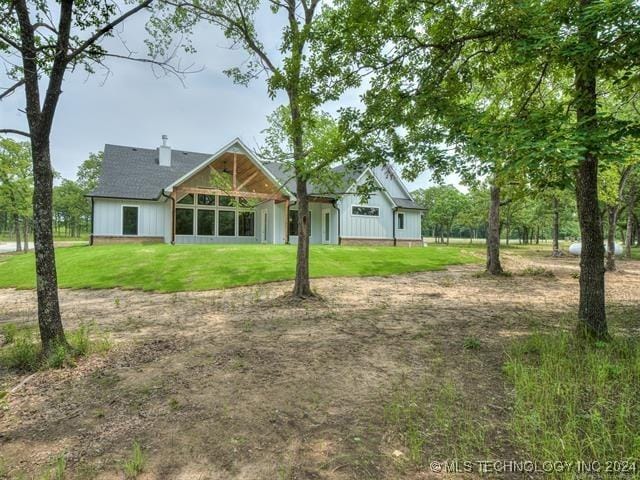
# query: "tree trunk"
(49, 319)
(493, 233)
(628, 241)
(16, 224)
(556, 229)
(25, 238)
(612, 215)
(302, 285)
(592, 320)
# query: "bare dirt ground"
(240, 384)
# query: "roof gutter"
(395, 211)
(92, 222)
(173, 215)
(335, 205)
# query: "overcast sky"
(133, 106)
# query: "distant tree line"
(529, 217)
(71, 207)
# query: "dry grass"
(240, 384)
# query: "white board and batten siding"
(318, 210)
(154, 217)
(391, 183)
(363, 226)
(412, 225)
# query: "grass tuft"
(9, 332)
(435, 418)
(134, 465)
(24, 353)
(575, 401)
(539, 272)
(471, 343)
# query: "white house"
(166, 195)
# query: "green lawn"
(168, 268)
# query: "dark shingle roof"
(286, 177)
(406, 203)
(134, 173)
(129, 172)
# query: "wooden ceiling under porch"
(240, 178)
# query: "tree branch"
(15, 132)
(11, 89)
(104, 30)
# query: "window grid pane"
(130, 220)
(246, 222)
(207, 200)
(206, 222)
(226, 223)
(184, 221)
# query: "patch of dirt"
(242, 384)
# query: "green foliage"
(575, 401)
(134, 465)
(444, 204)
(16, 179)
(89, 172)
(173, 268)
(71, 208)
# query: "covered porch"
(229, 200)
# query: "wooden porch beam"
(235, 171)
(213, 191)
(251, 177)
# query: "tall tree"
(47, 49)
(16, 185)
(530, 70)
(89, 172)
(289, 70)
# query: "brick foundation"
(111, 239)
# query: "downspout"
(173, 215)
(395, 210)
(92, 214)
(335, 205)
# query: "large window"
(293, 222)
(246, 222)
(184, 221)
(365, 211)
(400, 221)
(130, 220)
(226, 223)
(206, 222)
